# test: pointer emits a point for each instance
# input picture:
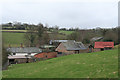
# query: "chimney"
(21, 45)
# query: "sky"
(84, 14)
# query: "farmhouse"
(71, 47)
(21, 54)
(100, 46)
(46, 55)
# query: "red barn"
(46, 55)
(100, 46)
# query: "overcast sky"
(64, 13)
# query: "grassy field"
(66, 32)
(14, 39)
(14, 30)
(102, 64)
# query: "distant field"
(14, 30)
(14, 39)
(66, 32)
(102, 64)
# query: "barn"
(71, 47)
(22, 54)
(100, 46)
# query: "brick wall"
(51, 54)
(84, 51)
(46, 55)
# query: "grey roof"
(96, 38)
(47, 46)
(24, 50)
(74, 45)
(51, 41)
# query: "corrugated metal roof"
(47, 46)
(51, 41)
(104, 44)
(96, 38)
(25, 50)
(70, 45)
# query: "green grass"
(116, 46)
(66, 32)
(14, 39)
(88, 65)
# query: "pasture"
(66, 32)
(14, 31)
(14, 39)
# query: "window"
(14, 53)
(102, 49)
(29, 53)
(59, 52)
(76, 51)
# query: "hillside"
(88, 65)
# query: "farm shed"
(19, 59)
(96, 39)
(71, 47)
(46, 55)
(48, 48)
(57, 42)
(100, 46)
(21, 54)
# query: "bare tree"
(30, 36)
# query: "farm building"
(21, 54)
(96, 39)
(57, 42)
(46, 55)
(71, 47)
(48, 48)
(100, 46)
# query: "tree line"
(110, 34)
(36, 36)
(25, 26)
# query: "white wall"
(21, 54)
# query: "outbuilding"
(71, 47)
(22, 54)
(101, 46)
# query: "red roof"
(104, 44)
(46, 55)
